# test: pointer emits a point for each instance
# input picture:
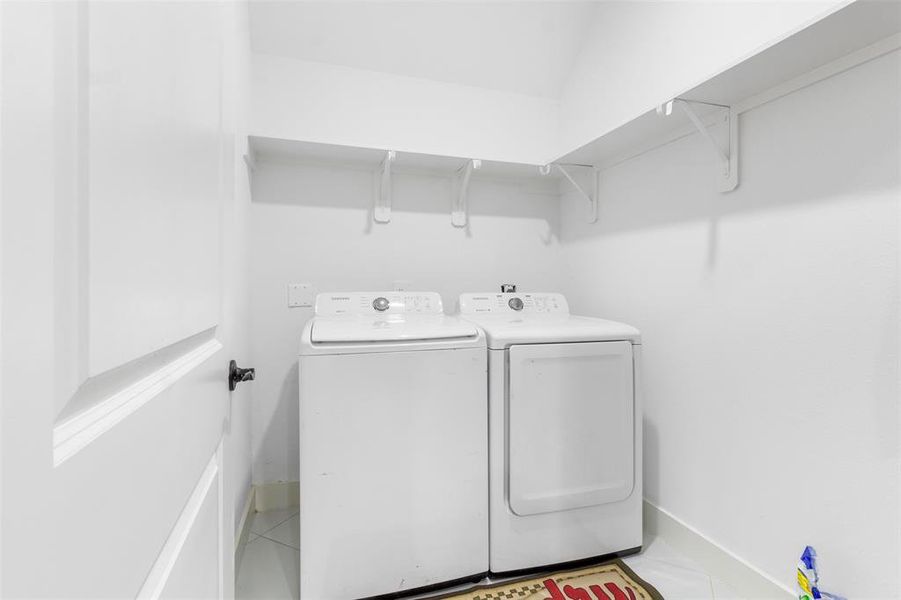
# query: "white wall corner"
(276, 496)
(739, 574)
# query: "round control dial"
(515, 303)
(381, 304)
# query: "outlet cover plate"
(300, 295)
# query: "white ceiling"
(524, 47)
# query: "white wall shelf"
(387, 163)
(266, 148)
(859, 32)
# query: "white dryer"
(393, 447)
(564, 432)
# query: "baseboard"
(745, 579)
(244, 526)
(275, 496)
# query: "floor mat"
(608, 581)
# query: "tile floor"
(268, 566)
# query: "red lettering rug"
(609, 581)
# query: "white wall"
(312, 225)
(770, 320)
(638, 55)
(317, 102)
(523, 47)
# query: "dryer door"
(571, 426)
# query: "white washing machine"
(564, 432)
(393, 447)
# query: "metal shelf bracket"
(460, 210)
(727, 159)
(381, 210)
(591, 195)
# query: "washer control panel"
(513, 303)
(379, 303)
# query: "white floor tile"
(268, 571)
(721, 591)
(658, 550)
(264, 521)
(287, 533)
(674, 576)
(269, 567)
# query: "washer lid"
(394, 328)
(504, 331)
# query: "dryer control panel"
(513, 303)
(378, 303)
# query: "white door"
(571, 426)
(117, 170)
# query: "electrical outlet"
(300, 295)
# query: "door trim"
(73, 433)
(168, 556)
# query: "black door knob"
(236, 375)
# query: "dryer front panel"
(570, 414)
